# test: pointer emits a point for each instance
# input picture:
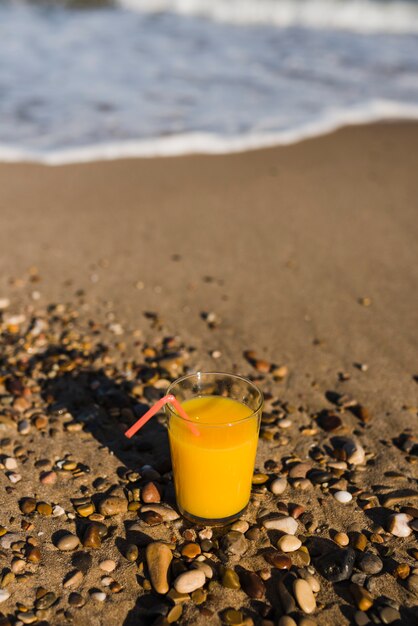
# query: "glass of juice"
(213, 453)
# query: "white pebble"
(343, 496)
(14, 478)
(284, 423)
(190, 581)
(100, 596)
(107, 580)
(10, 463)
(4, 595)
(278, 486)
(108, 565)
(287, 525)
(23, 427)
(289, 543)
(57, 511)
(4, 303)
(15, 320)
(398, 525)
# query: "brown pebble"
(152, 518)
(91, 538)
(67, 542)
(150, 493)
(159, 557)
(342, 539)
(33, 554)
(48, 478)
(84, 510)
(359, 541)
(27, 505)
(44, 508)
(113, 505)
(76, 599)
(362, 598)
(131, 552)
(190, 550)
(230, 579)
(259, 479)
(281, 561)
(252, 584)
(402, 571)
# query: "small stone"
(234, 543)
(131, 552)
(14, 477)
(337, 565)
(205, 567)
(388, 615)
(286, 525)
(57, 511)
(68, 542)
(278, 486)
(174, 614)
(99, 596)
(44, 508)
(48, 478)
(412, 584)
(113, 505)
(342, 539)
(190, 550)
(398, 525)
(27, 505)
(18, 566)
(286, 599)
(370, 564)
(76, 599)
(286, 620)
(280, 561)
(10, 463)
(304, 596)
(152, 518)
(362, 597)
(107, 566)
(359, 541)
(230, 579)
(240, 525)
(361, 618)
(159, 556)
(289, 543)
(46, 601)
(299, 470)
(167, 513)
(84, 510)
(402, 571)
(4, 595)
(74, 579)
(91, 538)
(33, 554)
(252, 584)
(343, 497)
(231, 617)
(189, 581)
(150, 493)
(259, 479)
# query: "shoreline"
(201, 144)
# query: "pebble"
(370, 564)
(167, 513)
(4, 595)
(14, 477)
(27, 505)
(304, 596)
(150, 493)
(362, 597)
(190, 550)
(234, 543)
(189, 581)
(337, 565)
(205, 567)
(74, 579)
(343, 496)
(359, 541)
(280, 561)
(33, 554)
(76, 599)
(388, 615)
(99, 596)
(289, 543)
(57, 511)
(68, 542)
(113, 505)
(108, 565)
(91, 538)
(230, 579)
(131, 552)
(44, 508)
(286, 620)
(10, 463)
(300, 470)
(361, 618)
(286, 525)
(412, 584)
(240, 525)
(342, 539)
(398, 525)
(48, 478)
(159, 556)
(278, 486)
(252, 584)
(232, 617)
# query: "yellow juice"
(213, 462)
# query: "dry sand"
(281, 245)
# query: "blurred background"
(89, 79)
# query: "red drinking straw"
(157, 407)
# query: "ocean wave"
(206, 143)
(395, 16)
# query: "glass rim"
(227, 375)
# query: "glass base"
(204, 521)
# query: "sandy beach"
(304, 254)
